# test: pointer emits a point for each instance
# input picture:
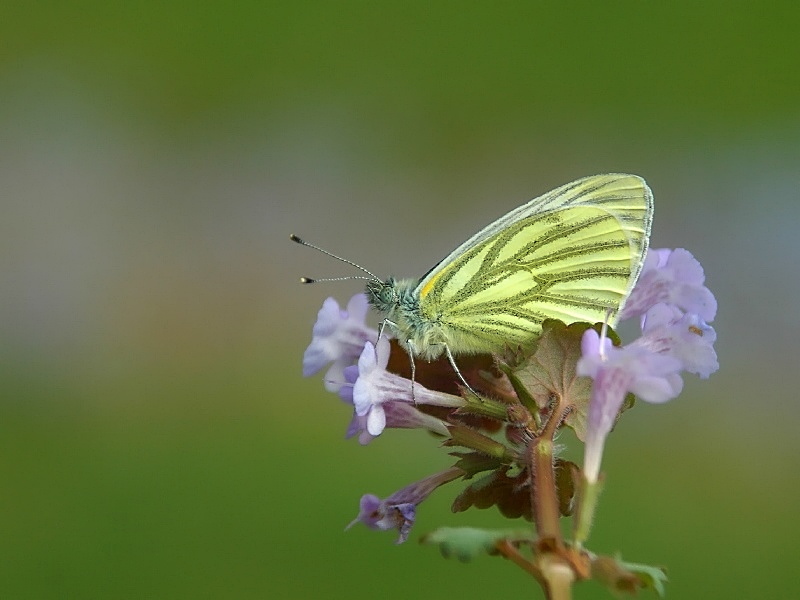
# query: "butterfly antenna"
(302, 242)
(310, 280)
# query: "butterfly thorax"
(398, 302)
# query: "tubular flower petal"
(338, 337)
(375, 387)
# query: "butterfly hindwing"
(572, 254)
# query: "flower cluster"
(673, 305)
(527, 393)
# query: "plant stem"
(559, 576)
(508, 550)
(544, 496)
(544, 492)
(552, 557)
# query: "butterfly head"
(390, 295)
(382, 294)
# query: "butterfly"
(572, 254)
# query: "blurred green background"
(156, 437)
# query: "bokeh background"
(156, 437)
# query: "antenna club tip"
(306, 280)
(294, 238)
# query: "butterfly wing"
(572, 254)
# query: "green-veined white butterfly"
(572, 254)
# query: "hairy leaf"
(548, 376)
(622, 577)
(465, 543)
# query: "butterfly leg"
(458, 372)
(409, 348)
(381, 326)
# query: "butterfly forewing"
(572, 254)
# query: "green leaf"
(473, 463)
(548, 374)
(465, 543)
(475, 440)
(623, 577)
(651, 577)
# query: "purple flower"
(375, 388)
(385, 515)
(666, 330)
(673, 277)
(338, 337)
(651, 376)
(399, 415)
(399, 510)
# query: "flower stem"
(588, 494)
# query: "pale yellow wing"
(572, 254)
